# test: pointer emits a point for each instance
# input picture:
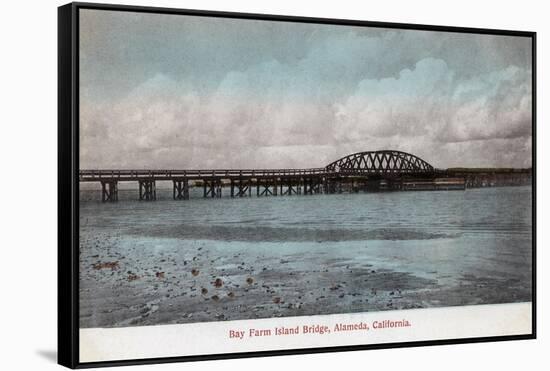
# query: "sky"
(162, 91)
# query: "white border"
(110, 344)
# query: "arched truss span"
(380, 163)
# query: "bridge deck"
(159, 175)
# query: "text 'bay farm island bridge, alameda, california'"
(370, 171)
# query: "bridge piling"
(109, 191)
(263, 188)
(329, 186)
(212, 188)
(243, 186)
(291, 187)
(147, 190)
(181, 189)
(312, 185)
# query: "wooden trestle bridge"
(375, 170)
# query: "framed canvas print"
(235, 185)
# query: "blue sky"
(168, 91)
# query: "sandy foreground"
(135, 281)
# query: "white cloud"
(269, 115)
(427, 107)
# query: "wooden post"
(109, 191)
(103, 192)
(181, 189)
(186, 189)
(244, 188)
(147, 190)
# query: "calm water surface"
(482, 212)
(479, 239)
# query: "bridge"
(370, 171)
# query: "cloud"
(427, 107)
(236, 94)
(424, 111)
(496, 105)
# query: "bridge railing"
(95, 175)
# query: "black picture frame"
(68, 183)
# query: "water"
(455, 248)
(482, 210)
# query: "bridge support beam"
(331, 186)
(109, 191)
(312, 186)
(147, 190)
(181, 189)
(243, 187)
(212, 188)
(266, 187)
(288, 187)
